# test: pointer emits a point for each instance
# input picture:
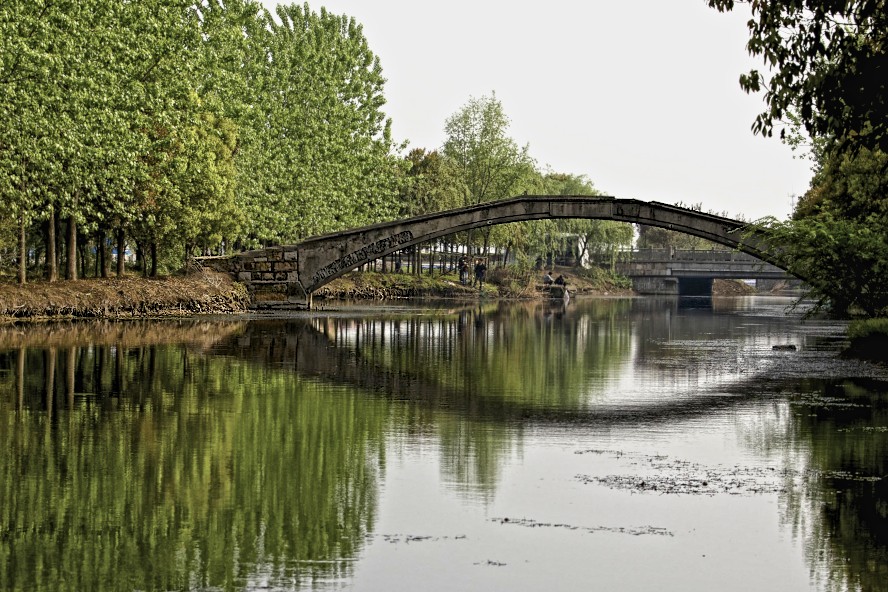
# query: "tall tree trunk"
(83, 255)
(121, 253)
(153, 259)
(102, 244)
(22, 253)
(140, 259)
(71, 248)
(52, 269)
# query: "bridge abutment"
(655, 286)
(272, 277)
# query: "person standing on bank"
(463, 270)
(480, 271)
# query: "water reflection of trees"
(255, 447)
(833, 440)
(524, 356)
(846, 439)
(470, 376)
(156, 467)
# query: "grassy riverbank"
(500, 283)
(868, 338)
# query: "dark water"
(611, 445)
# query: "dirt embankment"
(203, 292)
(731, 288)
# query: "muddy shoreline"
(124, 298)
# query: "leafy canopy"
(829, 62)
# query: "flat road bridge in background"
(691, 271)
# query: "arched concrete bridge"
(298, 270)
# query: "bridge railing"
(695, 255)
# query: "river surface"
(610, 444)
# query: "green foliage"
(655, 237)
(604, 279)
(430, 184)
(318, 150)
(837, 238)
(845, 261)
(861, 329)
(191, 123)
(489, 162)
(599, 240)
(848, 185)
(828, 61)
(868, 339)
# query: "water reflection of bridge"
(448, 361)
(529, 364)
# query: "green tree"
(853, 186)
(318, 154)
(486, 158)
(836, 239)
(490, 162)
(430, 184)
(101, 89)
(844, 261)
(828, 61)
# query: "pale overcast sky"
(642, 96)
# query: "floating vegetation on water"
(414, 538)
(633, 530)
(595, 451)
(673, 476)
(490, 563)
(683, 477)
(848, 476)
(820, 400)
(710, 484)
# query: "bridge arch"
(302, 268)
